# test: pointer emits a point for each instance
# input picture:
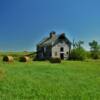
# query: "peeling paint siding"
(56, 49)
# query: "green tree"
(94, 49)
(78, 52)
(78, 44)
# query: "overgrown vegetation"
(94, 49)
(78, 52)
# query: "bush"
(95, 55)
(78, 54)
(88, 54)
(55, 60)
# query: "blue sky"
(23, 23)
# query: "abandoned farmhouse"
(54, 46)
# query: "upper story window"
(61, 49)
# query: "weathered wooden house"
(54, 46)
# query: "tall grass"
(70, 80)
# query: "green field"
(70, 80)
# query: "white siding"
(56, 49)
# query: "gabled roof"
(52, 41)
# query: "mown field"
(70, 80)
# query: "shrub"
(95, 55)
(78, 54)
(88, 54)
(55, 60)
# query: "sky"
(23, 23)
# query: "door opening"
(62, 55)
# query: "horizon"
(24, 23)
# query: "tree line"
(79, 53)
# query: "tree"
(95, 49)
(78, 44)
(94, 46)
(78, 52)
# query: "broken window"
(62, 49)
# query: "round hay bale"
(24, 59)
(8, 59)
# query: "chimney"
(52, 34)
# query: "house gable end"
(62, 38)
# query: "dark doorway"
(62, 55)
(61, 49)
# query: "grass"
(70, 80)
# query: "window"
(44, 49)
(61, 49)
(67, 53)
(55, 53)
